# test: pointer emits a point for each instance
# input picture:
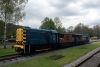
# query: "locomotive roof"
(66, 33)
(53, 31)
(71, 33)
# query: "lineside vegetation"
(69, 56)
(7, 51)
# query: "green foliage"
(58, 24)
(11, 29)
(96, 30)
(8, 51)
(11, 10)
(81, 29)
(47, 23)
(8, 43)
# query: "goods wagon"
(77, 39)
(65, 39)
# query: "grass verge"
(7, 51)
(8, 43)
(69, 56)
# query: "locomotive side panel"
(35, 37)
(38, 37)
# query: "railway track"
(98, 65)
(9, 57)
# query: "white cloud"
(70, 12)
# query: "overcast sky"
(70, 12)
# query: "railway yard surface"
(91, 59)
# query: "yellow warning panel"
(19, 36)
(19, 46)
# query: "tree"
(47, 23)
(91, 32)
(58, 24)
(11, 12)
(63, 30)
(70, 29)
(85, 29)
(96, 30)
(81, 29)
(1, 27)
(78, 28)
